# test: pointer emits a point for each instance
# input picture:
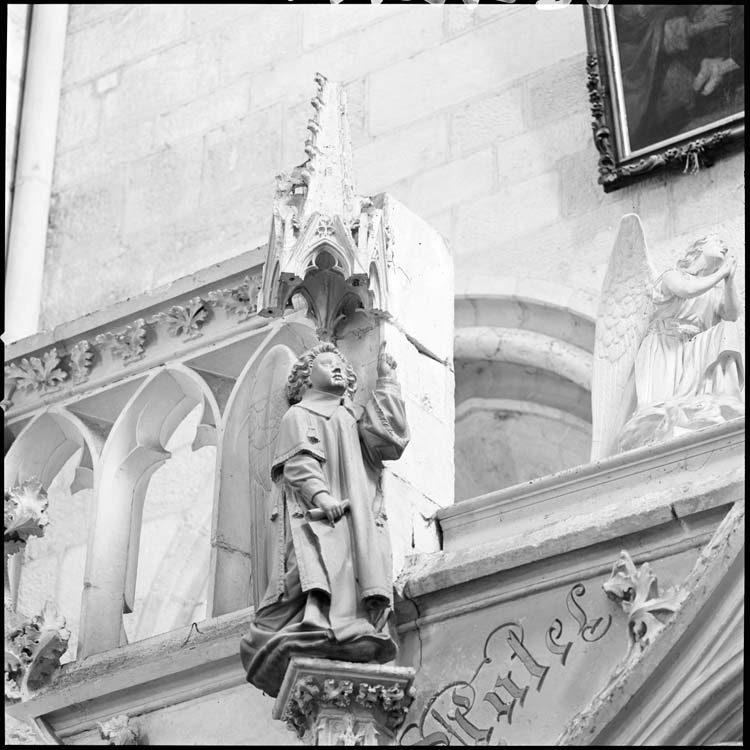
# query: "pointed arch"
(41, 449)
(231, 538)
(133, 451)
(45, 444)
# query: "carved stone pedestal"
(340, 703)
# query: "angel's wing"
(268, 403)
(624, 313)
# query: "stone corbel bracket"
(121, 730)
(33, 649)
(638, 593)
(344, 703)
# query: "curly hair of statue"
(299, 378)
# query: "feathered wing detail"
(625, 310)
(268, 404)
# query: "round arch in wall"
(523, 380)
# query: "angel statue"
(322, 565)
(667, 355)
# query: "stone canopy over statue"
(667, 356)
(329, 590)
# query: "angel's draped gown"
(683, 361)
(325, 577)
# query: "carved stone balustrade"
(340, 703)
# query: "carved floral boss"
(48, 373)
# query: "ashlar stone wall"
(175, 119)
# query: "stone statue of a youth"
(330, 585)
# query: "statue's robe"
(682, 378)
(330, 586)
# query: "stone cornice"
(444, 585)
(130, 308)
(609, 481)
(180, 665)
(169, 324)
(655, 513)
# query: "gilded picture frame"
(666, 86)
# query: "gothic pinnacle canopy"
(326, 243)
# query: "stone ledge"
(170, 668)
(611, 482)
(584, 545)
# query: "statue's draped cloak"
(324, 578)
(681, 376)
(685, 341)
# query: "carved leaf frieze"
(57, 369)
(185, 320)
(128, 344)
(240, 300)
(37, 374)
(81, 356)
(24, 514)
